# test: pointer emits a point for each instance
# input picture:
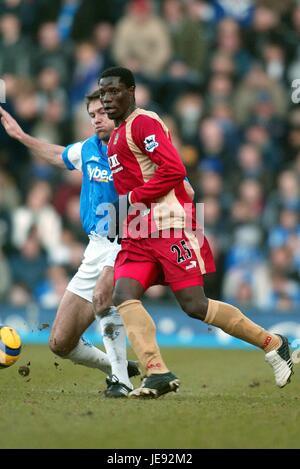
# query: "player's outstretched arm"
(48, 151)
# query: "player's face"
(116, 98)
(100, 122)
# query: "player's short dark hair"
(125, 75)
(91, 97)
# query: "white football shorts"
(99, 253)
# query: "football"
(10, 346)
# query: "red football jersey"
(144, 162)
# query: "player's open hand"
(10, 124)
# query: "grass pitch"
(227, 399)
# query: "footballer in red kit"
(147, 170)
(145, 164)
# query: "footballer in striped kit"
(10, 346)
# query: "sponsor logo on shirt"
(99, 175)
(113, 161)
(114, 164)
(150, 143)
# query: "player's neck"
(125, 115)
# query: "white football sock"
(114, 340)
(87, 354)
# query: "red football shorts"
(177, 262)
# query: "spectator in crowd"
(16, 50)
(250, 91)
(250, 165)
(243, 14)
(293, 136)
(229, 41)
(212, 145)
(37, 213)
(141, 40)
(6, 281)
(186, 35)
(50, 52)
(29, 263)
(103, 37)
(87, 68)
(188, 109)
(50, 293)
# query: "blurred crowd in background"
(220, 73)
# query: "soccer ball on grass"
(10, 346)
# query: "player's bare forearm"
(48, 151)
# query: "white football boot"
(281, 362)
